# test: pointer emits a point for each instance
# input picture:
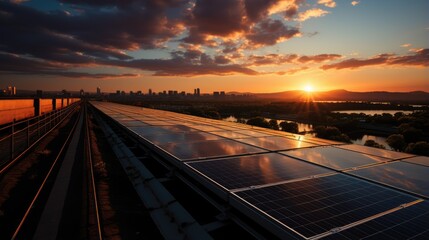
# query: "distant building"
(150, 91)
(118, 92)
(216, 94)
(222, 93)
(10, 91)
(82, 93)
(198, 92)
(98, 91)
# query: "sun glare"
(308, 88)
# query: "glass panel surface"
(181, 137)
(276, 143)
(231, 135)
(179, 128)
(408, 223)
(335, 158)
(318, 205)
(253, 133)
(418, 160)
(205, 149)
(149, 130)
(375, 151)
(133, 123)
(407, 176)
(246, 171)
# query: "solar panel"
(206, 149)
(283, 192)
(133, 123)
(418, 160)
(276, 143)
(253, 133)
(335, 158)
(406, 176)
(230, 134)
(246, 171)
(181, 137)
(408, 223)
(375, 151)
(315, 206)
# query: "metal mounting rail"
(173, 221)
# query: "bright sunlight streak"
(308, 88)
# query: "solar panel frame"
(421, 160)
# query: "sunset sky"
(228, 45)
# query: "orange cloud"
(311, 13)
(327, 3)
(354, 3)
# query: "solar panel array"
(295, 186)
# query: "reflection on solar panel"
(276, 143)
(247, 171)
(335, 158)
(375, 151)
(295, 186)
(316, 206)
(418, 160)
(407, 176)
(207, 149)
(408, 223)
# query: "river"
(307, 128)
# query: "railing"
(17, 137)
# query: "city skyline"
(255, 46)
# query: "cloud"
(10, 63)
(270, 32)
(311, 13)
(278, 59)
(406, 45)
(327, 3)
(292, 71)
(420, 58)
(354, 3)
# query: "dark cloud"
(278, 59)
(182, 65)
(419, 58)
(217, 17)
(257, 9)
(318, 58)
(269, 32)
(10, 63)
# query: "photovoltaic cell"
(246, 171)
(275, 143)
(205, 149)
(231, 135)
(335, 158)
(406, 176)
(318, 205)
(408, 223)
(375, 151)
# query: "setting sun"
(308, 88)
